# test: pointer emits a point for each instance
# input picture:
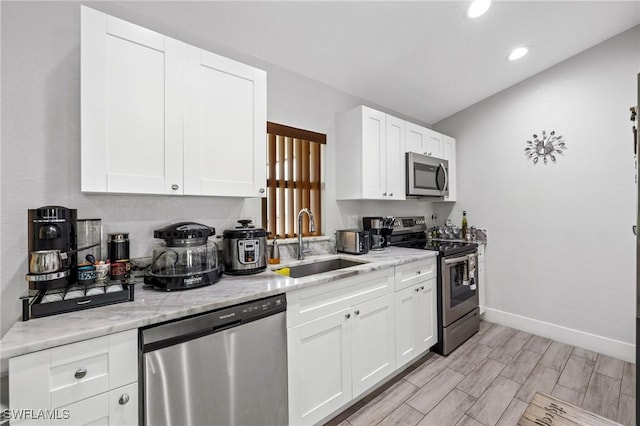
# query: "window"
(294, 181)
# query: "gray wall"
(561, 254)
(41, 137)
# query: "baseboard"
(614, 348)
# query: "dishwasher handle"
(170, 333)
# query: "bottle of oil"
(464, 225)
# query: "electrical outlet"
(352, 221)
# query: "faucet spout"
(312, 228)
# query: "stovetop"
(447, 248)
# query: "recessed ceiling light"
(517, 53)
(478, 8)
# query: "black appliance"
(457, 289)
(379, 229)
(186, 259)
(53, 228)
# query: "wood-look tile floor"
(490, 380)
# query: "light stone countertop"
(154, 306)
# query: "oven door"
(457, 299)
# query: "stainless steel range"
(458, 312)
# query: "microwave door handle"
(446, 178)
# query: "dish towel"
(472, 271)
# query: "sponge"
(283, 271)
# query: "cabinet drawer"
(93, 411)
(311, 303)
(79, 379)
(415, 272)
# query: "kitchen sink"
(314, 268)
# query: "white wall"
(40, 152)
(561, 254)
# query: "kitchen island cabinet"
(160, 116)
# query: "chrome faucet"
(312, 228)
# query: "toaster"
(352, 241)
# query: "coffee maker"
(379, 229)
(52, 234)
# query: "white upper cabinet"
(370, 155)
(424, 141)
(225, 126)
(162, 117)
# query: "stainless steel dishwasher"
(225, 367)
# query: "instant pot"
(186, 259)
(245, 249)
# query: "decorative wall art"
(549, 146)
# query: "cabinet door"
(374, 162)
(373, 353)
(319, 359)
(130, 88)
(405, 301)
(395, 162)
(426, 319)
(415, 138)
(433, 143)
(225, 126)
(449, 154)
(123, 406)
(29, 385)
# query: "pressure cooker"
(245, 249)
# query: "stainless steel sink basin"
(320, 267)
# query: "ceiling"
(423, 59)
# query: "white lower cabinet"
(336, 357)
(347, 336)
(415, 321)
(93, 382)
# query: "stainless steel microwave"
(427, 176)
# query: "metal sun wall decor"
(547, 147)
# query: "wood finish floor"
(491, 379)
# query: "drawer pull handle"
(124, 398)
(80, 373)
(347, 316)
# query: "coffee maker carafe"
(52, 235)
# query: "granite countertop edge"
(153, 306)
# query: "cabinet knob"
(422, 288)
(391, 195)
(80, 373)
(124, 398)
(357, 312)
(384, 194)
(262, 190)
(418, 272)
(347, 316)
(417, 290)
(175, 187)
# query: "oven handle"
(458, 259)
